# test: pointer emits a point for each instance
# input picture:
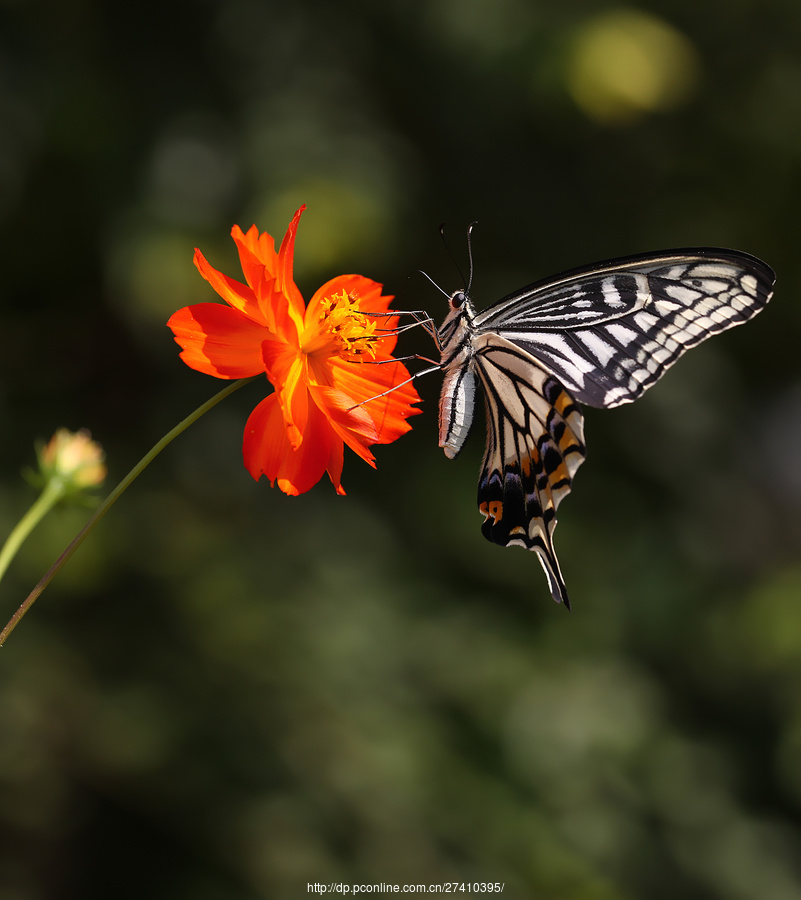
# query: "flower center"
(342, 324)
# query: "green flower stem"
(43, 504)
(53, 491)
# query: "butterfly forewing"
(600, 335)
(611, 331)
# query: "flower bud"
(74, 458)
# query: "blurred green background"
(230, 693)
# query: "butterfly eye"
(458, 299)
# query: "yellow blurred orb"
(626, 63)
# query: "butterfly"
(599, 335)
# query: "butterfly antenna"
(470, 228)
(453, 258)
(441, 290)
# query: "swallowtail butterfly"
(599, 335)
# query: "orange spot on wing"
(562, 402)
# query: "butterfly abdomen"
(456, 407)
(458, 396)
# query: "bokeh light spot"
(626, 63)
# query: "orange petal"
(286, 258)
(336, 460)
(267, 450)
(285, 369)
(282, 316)
(260, 264)
(256, 253)
(218, 340)
(235, 294)
(367, 290)
(278, 357)
(366, 380)
(351, 423)
(390, 418)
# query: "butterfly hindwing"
(535, 444)
(612, 331)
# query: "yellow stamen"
(352, 331)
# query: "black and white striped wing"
(535, 444)
(610, 331)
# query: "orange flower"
(323, 360)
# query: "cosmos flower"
(327, 361)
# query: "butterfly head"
(454, 333)
(460, 307)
